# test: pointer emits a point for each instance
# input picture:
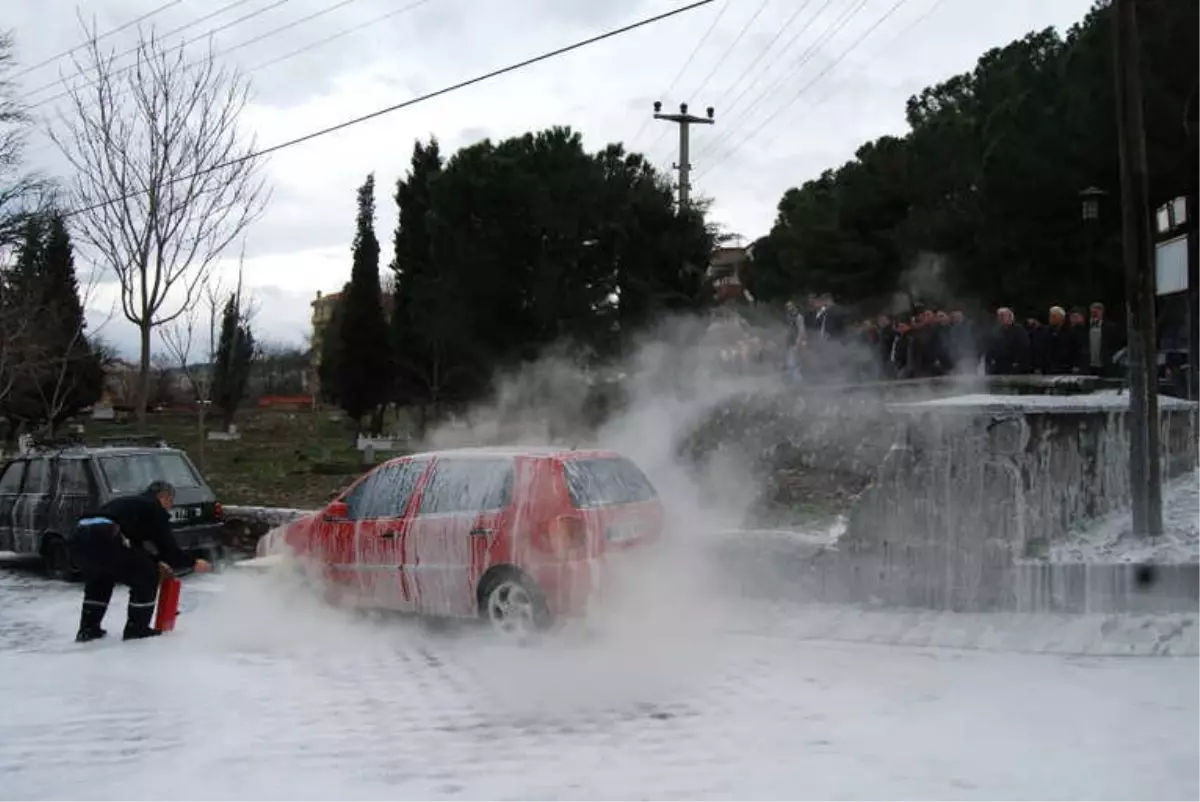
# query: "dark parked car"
(43, 494)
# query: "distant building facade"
(323, 307)
(725, 273)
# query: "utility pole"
(1138, 251)
(1192, 129)
(684, 121)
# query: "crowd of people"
(822, 342)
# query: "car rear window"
(603, 482)
(133, 473)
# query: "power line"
(795, 14)
(787, 48)
(276, 31)
(332, 37)
(712, 26)
(414, 101)
(809, 53)
(895, 7)
(720, 61)
(761, 7)
(797, 68)
(885, 47)
(318, 43)
(210, 15)
(104, 35)
(252, 40)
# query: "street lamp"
(1090, 202)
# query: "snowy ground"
(1110, 539)
(262, 693)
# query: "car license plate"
(180, 515)
(621, 532)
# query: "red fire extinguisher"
(168, 604)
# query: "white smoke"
(649, 639)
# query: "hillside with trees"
(984, 191)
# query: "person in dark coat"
(1039, 345)
(1008, 350)
(927, 355)
(960, 339)
(109, 547)
(1061, 344)
(1101, 341)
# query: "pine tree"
(231, 364)
(364, 364)
(23, 278)
(65, 375)
(413, 266)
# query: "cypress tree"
(364, 355)
(232, 362)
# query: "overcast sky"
(784, 109)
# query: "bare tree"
(186, 339)
(21, 190)
(164, 180)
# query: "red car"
(516, 536)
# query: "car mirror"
(337, 511)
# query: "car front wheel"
(515, 607)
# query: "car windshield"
(606, 481)
(133, 473)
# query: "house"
(725, 271)
(323, 307)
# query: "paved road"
(264, 693)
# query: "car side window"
(10, 483)
(73, 478)
(392, 487)
(468, 485)
(385, 492)
(356, 496)
(37, 480)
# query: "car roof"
(545, 452)
(81, 452)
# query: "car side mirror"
(337, 511)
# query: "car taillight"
(568, 535)
(218, 510)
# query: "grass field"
(283, 459)
(301, 458)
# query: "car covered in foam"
(516, 536)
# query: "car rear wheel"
(57, 555)
(514, 606)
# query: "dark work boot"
(86, 634)
(89, 621)
(137, 621)
(136, 634)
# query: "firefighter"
(110, 548)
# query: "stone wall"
(969, 498)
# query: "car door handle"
(390, 535)
(481, 531)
